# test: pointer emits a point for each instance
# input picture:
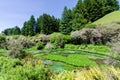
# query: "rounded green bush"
(40, 45)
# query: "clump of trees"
(85, 11)
(12, 31)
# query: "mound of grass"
(72, 59)
(111, 17)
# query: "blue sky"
(16, 12)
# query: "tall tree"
(65, 25)
(16, 30)
(29, 27)
(78, 20)
(47, 24)
(91, 10)
(111, 5)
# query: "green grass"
(90, 47)
(72, 59)
(111, 17)
(3, 52)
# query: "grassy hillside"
(111, 17)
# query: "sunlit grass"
(72, 59)
(111, 17)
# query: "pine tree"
(78, 21)
(65, 25)
(16, 30)
(29, 27)
(47, 24)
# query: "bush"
(2, 41)
(108, 31)
(115, 55)
(41, 38)
(86, 36)
(57, 39)
(67, 38)
(13, 69)
(49, 46)
(40, 45)
(16, 48)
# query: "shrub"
(2, 41)
(41, 38)
(16, 48)
(115, 55)
(40, 45)
(86, 35)
(67, 38)
(49, 46)
(57, 39)
(108, 31)
(93, 73)
(13, 69)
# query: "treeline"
(85, 12)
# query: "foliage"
(114, 45)
(49, 46)
(59, 39)
(16, 46)
(93, 73)
(99, 35)
(86, 36)
(40, 45)
(12, 31)
(72, 59)
(29, 27)
(2, 41)
(41, 38)
(65, 25)
(13, 69)
(89, 47)
(108, 31)
(78, 21)
(47, 24)
(87, 11)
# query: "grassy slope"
(111, 17)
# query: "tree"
(78, 20)
(12, 31)
(111, 5)
(65, 25)
(87, 11)
(47, 24)
(16, 30)
(29, 27)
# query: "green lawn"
(102, 49)
(111, 17)
(72, 59)
(72, 56)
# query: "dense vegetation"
(85, 12)
(76, 47)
